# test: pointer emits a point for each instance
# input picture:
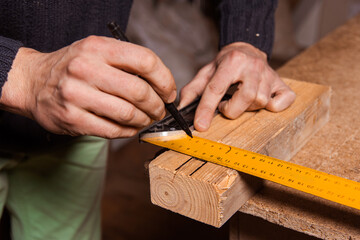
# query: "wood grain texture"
(335, 149)
(211, 193)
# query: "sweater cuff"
(8, 51)
(250, 21)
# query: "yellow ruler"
(305, 179)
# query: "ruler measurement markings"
(305, 179)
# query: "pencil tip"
(188, 132)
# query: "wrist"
(246, 47)
(18, 87)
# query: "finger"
(91, 124)
(212, 95)
(263, 96)
(104, 105)
(119, 83)
(243, 98)
(196, 87)
(281, 100)
(137, 60)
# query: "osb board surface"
(335, 149)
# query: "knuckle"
(217, 89)
(91, 43)
(66, 90)
(113, 132)
(148, 61)
(119, 132)
(230, 110)
(159, 111)
(230, 114)
(76, 66)
(127, 113)
(128, 132)
(141, 93)
(249, 96)
(143, 122)
(186, 91)
(169, 83)
(70, 119)
(237, 56)
(261, 100)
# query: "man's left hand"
(259, 86)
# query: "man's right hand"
(91, 87)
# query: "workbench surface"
(335, 149)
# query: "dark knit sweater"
(250, 21)
(48, 25)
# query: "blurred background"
(184, 34)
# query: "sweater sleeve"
(8, 51)
(250, 21)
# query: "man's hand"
(258, 85)
(90, 88)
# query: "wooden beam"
(212, 194)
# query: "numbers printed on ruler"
(308, 180)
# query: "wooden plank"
(335, 149)
(212, 194)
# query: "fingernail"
(221, 106)
(172, 96)
(162, 115)
(203, 124)
(180, 106)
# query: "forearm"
(250, 21)
(8, 51)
